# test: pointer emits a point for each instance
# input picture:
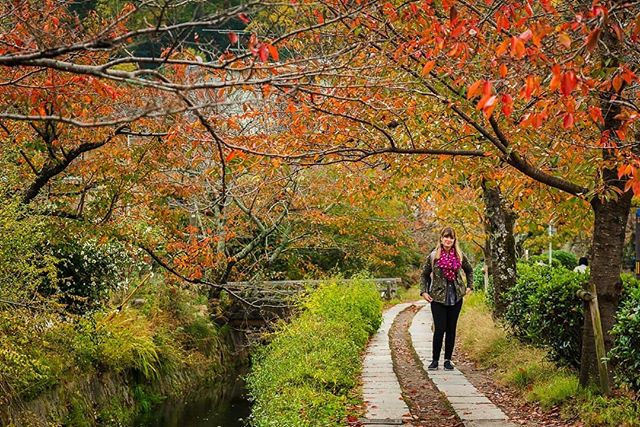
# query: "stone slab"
(473, 408)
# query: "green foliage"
(554, 390)
(626, 350)
(621, 411)
(478, 276)
(544, 259)
(567, 259)
(88, 270)
(543, 309)
(303, 376)
(23, 264)
(539, 380)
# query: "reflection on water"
(219, 405)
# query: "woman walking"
(443, 287)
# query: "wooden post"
(598, 336)
(637, 244)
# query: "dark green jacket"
(437, 287)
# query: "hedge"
(626, 350)
(543, 310)
(304, 375)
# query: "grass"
(404, 295)
(527, 370)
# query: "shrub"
(626, 350)
(544, 310)
(302, 377)
(544, 260)
(567, 259)
(478, 276)
(88, 270)
(24, 266)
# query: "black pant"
(445, 319)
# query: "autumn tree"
(547, 88)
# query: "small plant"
(555, 390)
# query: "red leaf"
(233, 38)
(263, 52)
(244, 18)
(507, 104)
(567, 121)
(592, 38)
(568, 83)
(486, 88)
(231, 156)
(596, 114)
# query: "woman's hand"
(469, 291)
(427, 297)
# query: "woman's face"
(447, 242)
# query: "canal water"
(222, 405)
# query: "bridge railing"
(280, 290)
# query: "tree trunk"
(606, 264)
(500, 219)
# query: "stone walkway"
(381, 390)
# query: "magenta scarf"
(449, 264)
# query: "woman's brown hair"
(448, 232)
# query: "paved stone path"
(381, 390)
(380, 387)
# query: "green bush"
(478, 276)
(23, 264)
(598, 411)
(543, 309)
(88, 270)
(567, 259)
(544, 260)
(303, 376)
(626, 350)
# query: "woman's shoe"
(448, 366)
(433, 366)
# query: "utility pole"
(551, 233)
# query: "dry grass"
(490, 345)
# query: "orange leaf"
(273, 52)
(617, 83)
(502, 48)
(474, 89)
(428, 66)
(503, 71)
(596, 114)
(564, 40)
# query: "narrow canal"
(223, 405)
